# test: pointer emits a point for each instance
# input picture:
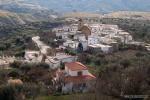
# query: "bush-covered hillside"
(122, 73)
(15, 39)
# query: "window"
(79, 73)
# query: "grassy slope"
(90, 96)
(54, 98)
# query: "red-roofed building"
(76, 69)
(76, 78)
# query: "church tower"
(80, 24)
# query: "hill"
(82, 14)
(100, 6)
(12, 18)
(129, 14)
(119, 14)
(19, 12)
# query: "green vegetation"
(125, 72)
(36, 79)
(15, 39)
(125, 57)
(55, 98)
(86, 96)
(48, 38)
(70, 52)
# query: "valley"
(95, 6)
(74, 50)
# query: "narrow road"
(42, 46)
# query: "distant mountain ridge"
(12, 18)
(24, 11)
(99, 6)
(20, 12)
(118, 14)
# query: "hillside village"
(74, 49)
(77, 37)
(80, 37)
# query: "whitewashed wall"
(75, 73)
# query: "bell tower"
(80, 24)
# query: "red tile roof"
(79, 79)
(74, 66)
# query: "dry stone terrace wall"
(6, 60)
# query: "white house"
(31, 56)
(125, 37)
(71, 44)
(79, 36)
(93, 40)
(65, 28)
(55, 61)
(100, 47)
(76, 69)
(103, 29)
(74, 44)
(64, 58)
(95, 28)
(74, 28)
(76, 78)
(62, 35)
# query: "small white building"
(93, 40)
(74, 28)
(31, 56)
(65, 28)
(95, 28)
(125, 37)
(62, 35)
(103, 29)
(71, 44)
(79, 36)
(75, 44)
(100, 47)
(55, 61)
